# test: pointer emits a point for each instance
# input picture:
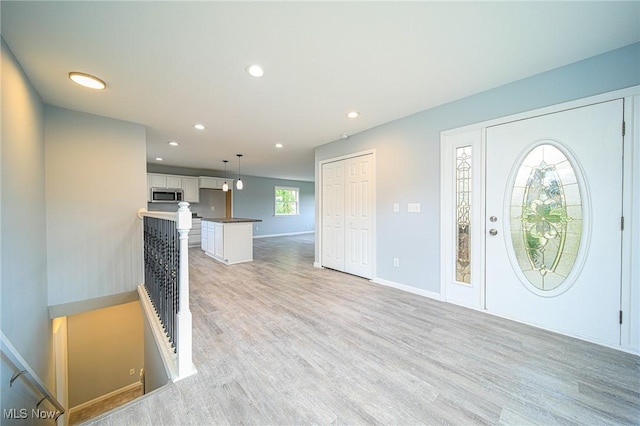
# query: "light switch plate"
(396, 207)
(413, 207)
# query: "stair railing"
(166, 280)
(24, 370)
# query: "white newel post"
(184, 337)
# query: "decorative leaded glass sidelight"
(546, 217)
(463, 214)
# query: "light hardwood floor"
(278, 342)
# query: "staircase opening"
(101, 353)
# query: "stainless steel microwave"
(163, 195)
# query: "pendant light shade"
(225, 187)
(239, 184)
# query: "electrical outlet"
(132, 371)
(396, 262)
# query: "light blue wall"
(25, 319)
(257, 201)
(408, 156)
(95, 184)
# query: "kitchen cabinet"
(174, 182)
(218, 245)
(190, 189)
(156, 180)
(195, 232)
(203, 235)
(210, 240)
(229, 240)
(207, 182)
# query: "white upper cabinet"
(191, 189)
(174, 182)
(156, 180)
(207, 182)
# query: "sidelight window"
(463, 214)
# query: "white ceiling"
(169, 65)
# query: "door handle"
(493, 231)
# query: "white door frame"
(630, 291)
(61, 364)
(319, 193)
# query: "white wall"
(95, 184)
(24, 318)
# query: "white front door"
(553, 213)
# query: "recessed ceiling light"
(87, 80)
(255, 70)
(199, 126)
(173, 143)
(279, 145)
(159, 158)
(353, 114)
(344, 136)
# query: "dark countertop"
(230, 219)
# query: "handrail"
(160, 215)
(26, 371)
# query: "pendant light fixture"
(239, 184)
(225, 187)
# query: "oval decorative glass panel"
(546, 217)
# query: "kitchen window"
(287, 201)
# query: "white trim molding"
(286, 234)
(104, 397)
(409, 289)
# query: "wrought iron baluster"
(161, 256)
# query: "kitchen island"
(228, 239)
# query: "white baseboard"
(408, 288)
(287, 234)
(104, 397)
(317, 265)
